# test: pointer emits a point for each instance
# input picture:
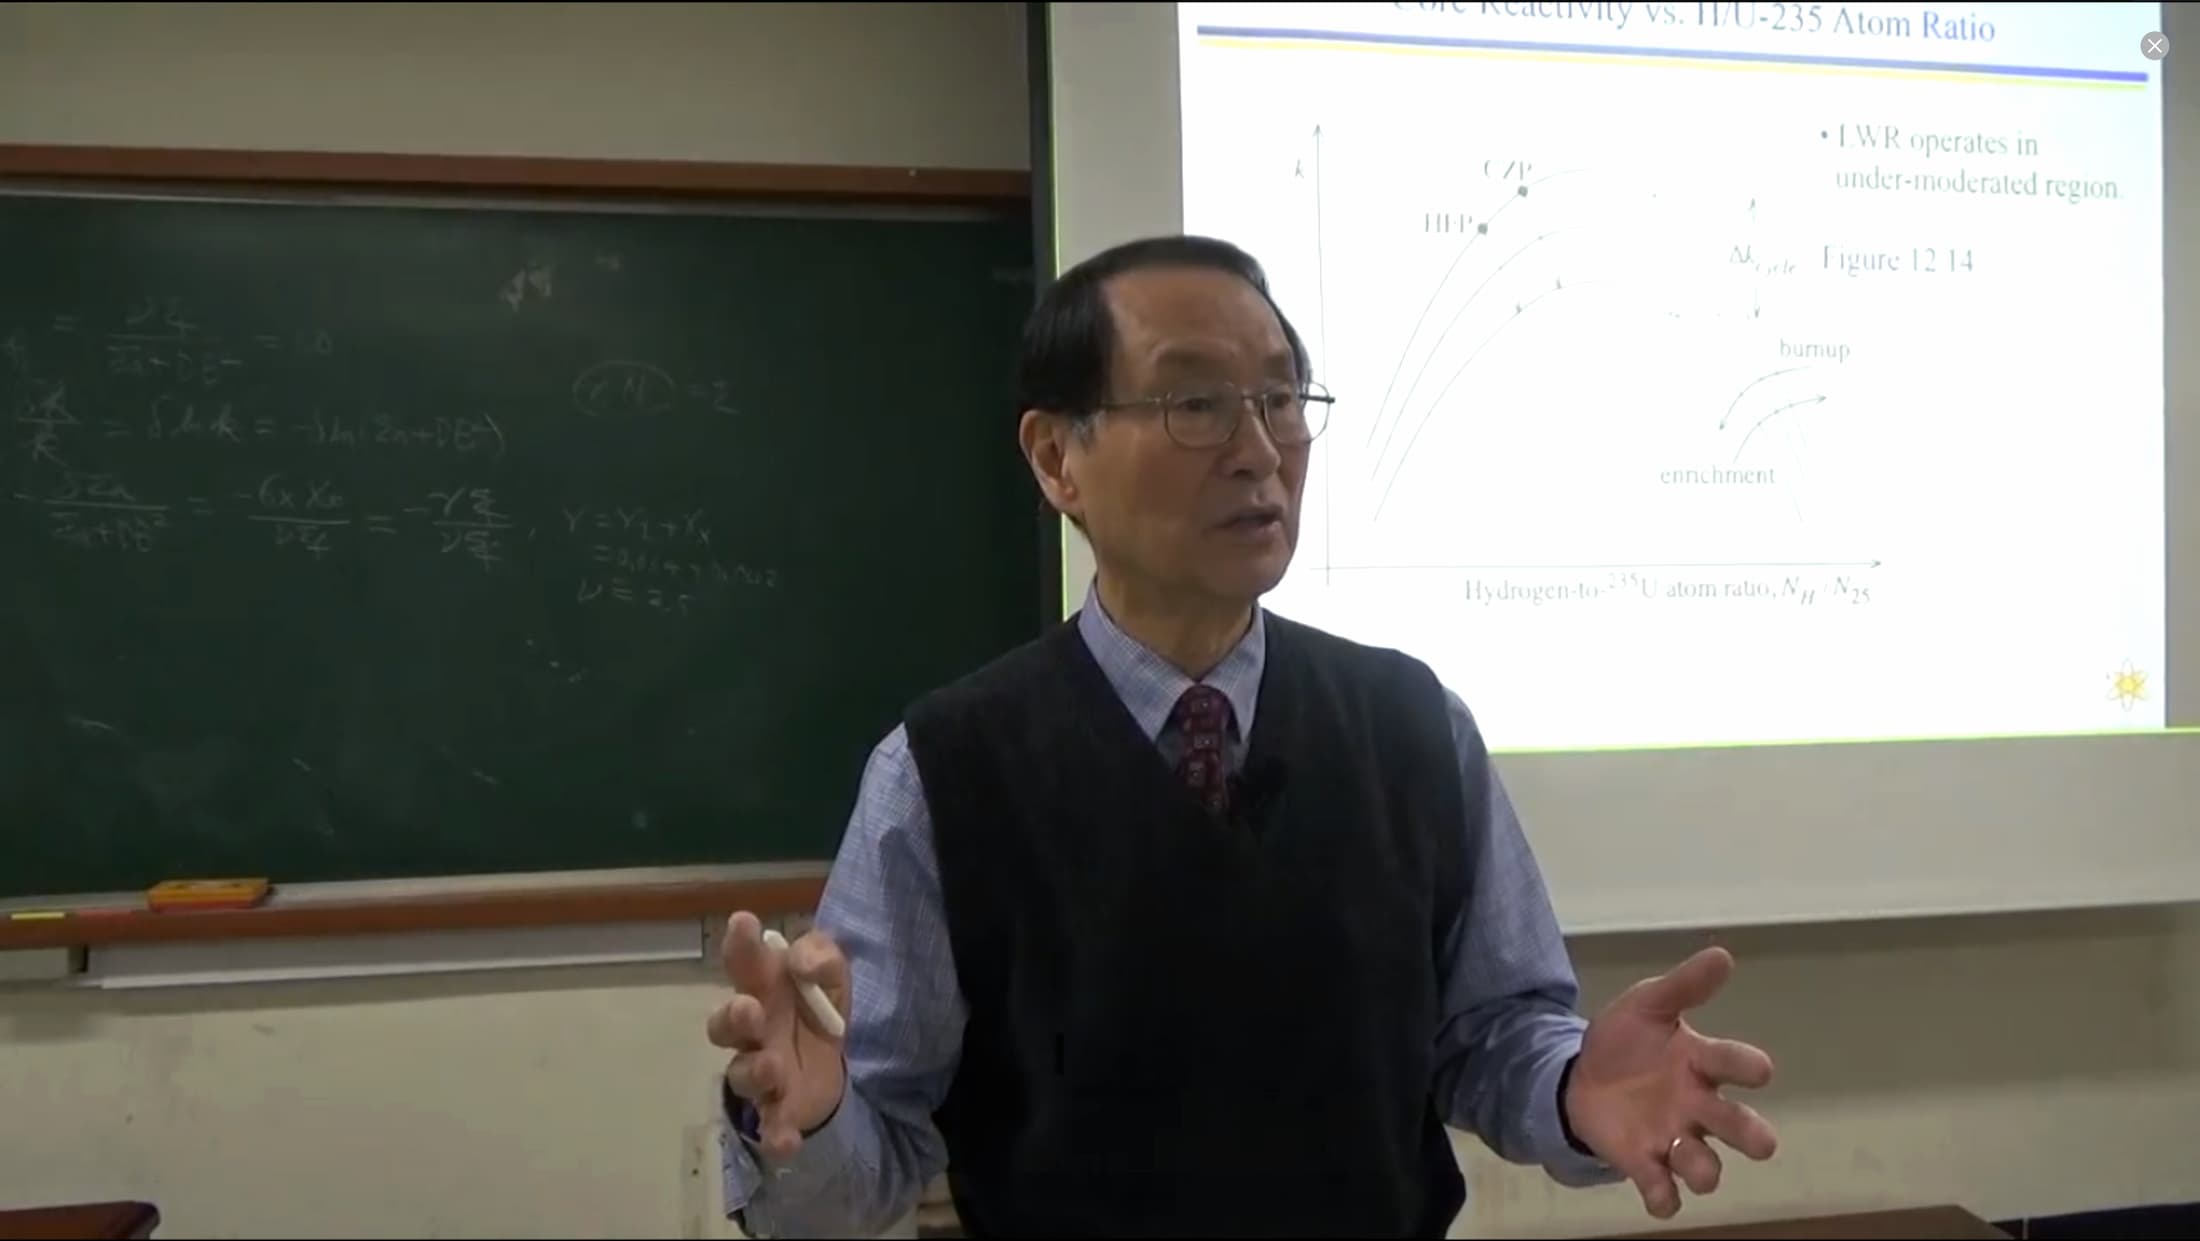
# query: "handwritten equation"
(156, 374)
(100, 405)
(48, 420)
(157, 337)
(97, 510)
(630, 555)
(654, 558)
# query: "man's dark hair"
(1069, 337)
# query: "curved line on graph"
(1450, 323)
(1813, 400)
(1444, 282)
(1411, 440)
(1406, 350)
(1786, 370)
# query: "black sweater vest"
(1185, 1026)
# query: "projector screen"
(1757, 413)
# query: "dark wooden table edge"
(85, 1221)
(1937, 1222)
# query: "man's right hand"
(784, 1062)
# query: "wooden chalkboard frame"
(369, 171)
(768, 891)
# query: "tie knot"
(1202, 711)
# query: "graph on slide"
(1548, 258)
(1673, 412)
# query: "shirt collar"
(1150, 685)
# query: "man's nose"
(1252, 452)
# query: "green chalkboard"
(351, 540)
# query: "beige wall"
(913, 84)
(2031, 1065)
(566, 1104)
(2018, 1065)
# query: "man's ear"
(1048, 440)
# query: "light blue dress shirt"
(1509, 992)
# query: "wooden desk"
(1917, 1224)
(93, 1221)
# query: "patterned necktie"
(1202, 717)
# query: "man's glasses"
(1208, 416)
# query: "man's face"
(1215, 523)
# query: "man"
(1186, 919)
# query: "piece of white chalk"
(821, 1009)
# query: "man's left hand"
(1644, 1095)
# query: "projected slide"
(1717, 374)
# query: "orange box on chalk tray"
(206, 894)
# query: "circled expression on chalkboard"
(634, 389)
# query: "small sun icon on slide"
(2127, 685)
